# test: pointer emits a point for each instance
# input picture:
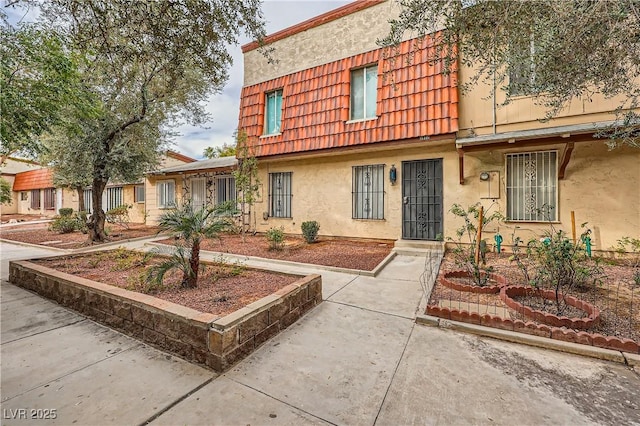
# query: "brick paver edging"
(532, 328)
(487, 289)
(507, 294)
(199, 337)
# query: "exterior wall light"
(484, 176)
(393, 174)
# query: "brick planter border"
(507, 294)
(199, 337)
(489, 289)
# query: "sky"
(224, 106)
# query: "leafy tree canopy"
(563, 48)
(39, 79)
(226, 150)
(149, 65)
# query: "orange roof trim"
(415, 99)
(316, 21)
(181, 157)
(33, 179)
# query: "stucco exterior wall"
(601, 186)
(476, 110)
(151, 200)
(24, 207)
(347, 36)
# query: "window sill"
(368, 220)
(360, 120)
(270, 135)
(280, 217)
(536, 222)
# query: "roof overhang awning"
(531, 138)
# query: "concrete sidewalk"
(358, 358)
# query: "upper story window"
(273, 112)
(364, 86)
(532, 182)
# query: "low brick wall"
(193, 335)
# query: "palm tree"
(191, 226)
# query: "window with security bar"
(88, 200)
(225, 189)
(368, 192)
(280, 194)
(113, 197)
(532, 186)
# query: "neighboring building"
(335, 119)
(36, 194)
(8, 171)
(203, 183)
(132, 194)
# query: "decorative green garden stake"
(586, 239)
(498, 239)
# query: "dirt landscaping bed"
(617, 298)
(41, 235)
(233, 310)
(340, 253)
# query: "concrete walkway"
(358, 358)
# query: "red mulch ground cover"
(362, 255)
(222, 288)
(41, 235)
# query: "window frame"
(160, 188)
(35, 202)
(49, 202)
(24, 196)
(364, 117)
(136, 195)
(363, 195)
(285, 196)
(277, 123)
(521, 197)
(230, 190)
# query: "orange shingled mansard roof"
(416, 98)
(33, 179)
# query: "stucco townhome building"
(372, 147)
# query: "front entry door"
(422, 199)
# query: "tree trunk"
(97, 219)
(191, 280)
(81, 206)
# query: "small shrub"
(64, 224)
(465, 243)
(119, 215)
(65, 211)
(629, 248)
(310, 231)
(275, 236)
(127, 259)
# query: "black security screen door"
(422, 199)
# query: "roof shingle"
(415, 98)
(33, 179)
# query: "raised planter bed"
(447, 281)
(507, 294)
(200, 337)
